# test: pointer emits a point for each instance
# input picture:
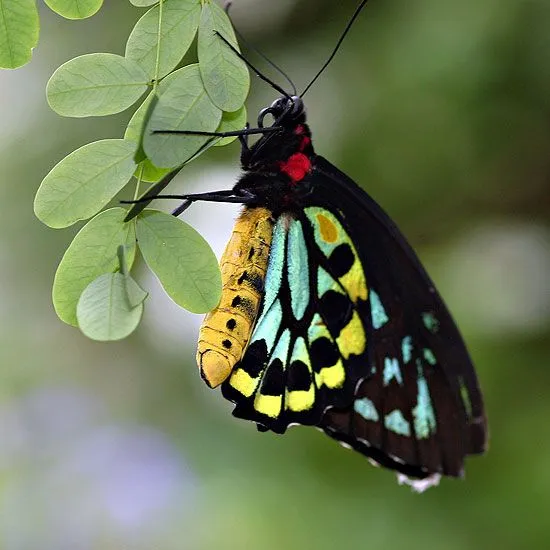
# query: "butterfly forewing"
(309, 345)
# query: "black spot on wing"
(299, 377)
(336, 310)
(273, 382)
(323, 353)
(341, 260)
(255, 358)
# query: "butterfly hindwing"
(418, 408)
(309, 346)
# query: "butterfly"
(327, 317)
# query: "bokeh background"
(441, 110)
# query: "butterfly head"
(290, 137)
(286, 111)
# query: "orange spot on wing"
(329, 232)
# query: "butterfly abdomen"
(226, 330)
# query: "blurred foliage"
(440, 109)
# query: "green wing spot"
(424, 416)
(268, 325)
(395, 422)
(430, 322)
(391, 370)
(281, 349)
(406, 349)
(274, 274)
(298, 272)
(430, 357)
(325, 282)
(365, 407)
(379, 316)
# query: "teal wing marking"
(309, 345)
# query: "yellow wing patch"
(243, 382)
(332, 377)
(300, 400)
(270, 405)
(352, 338)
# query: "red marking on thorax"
(296, 167)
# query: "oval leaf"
(225, 76)
(104, 312)
(182, 105)
(181, 259)
(92, 253)
(84, 182)
(180, 21)
(231, 121)
(19, 27)
(96, 84)
(75, 9)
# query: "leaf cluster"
(93, 287)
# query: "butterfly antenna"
(252, 67)
(338, 44)
(227, 6)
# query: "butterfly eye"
(279, 105)
(297, 106)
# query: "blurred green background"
(441, 110)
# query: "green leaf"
(134, 131)
(181, 259)
(96, 84)
(92, 253)
(231, 121)
(103, 310)
(19, 28)
(180, 21)
(75, 9)
(225, 76)
(82, 183)
(143, 3)
(183, 105)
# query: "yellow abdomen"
(225, 331)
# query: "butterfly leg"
(243, 139)
(244, 197)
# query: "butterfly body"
(347, 332)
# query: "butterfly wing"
(353, 337)
(308, 349)
(418, 409)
